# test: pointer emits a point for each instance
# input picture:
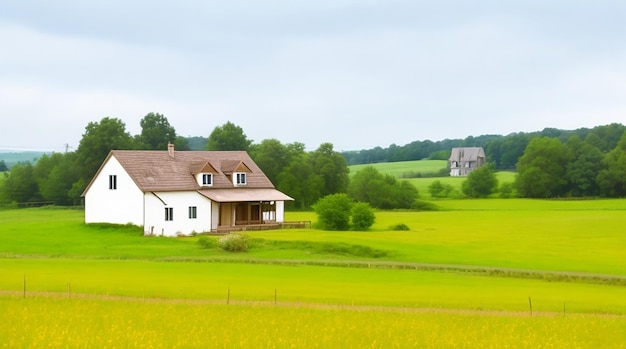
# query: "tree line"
(503, 151)
(550, 163)
(61, 178)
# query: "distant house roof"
(154, 170)
(467, 154)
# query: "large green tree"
(98, 140)
(481, 182)
(55, 176)
(332, 167)
(541, 170)
(272, 157)
(20, 186)
(381, 190)
(582, 170)
(228, 137)
(612, 179)
(156, 133)
(300, 181)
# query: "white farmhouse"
(174, 193)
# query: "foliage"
(439, 190)
(207, 242)
(541, 170)
(332, 168)
(582, 170)
(362, 216)
(157, 133)
(97, 141)
(333, 212)
(381, 190)
(300, 181)
(423, 205)
(20, 186)
(3, 166)
(273, 157)
(507, 190)
(235, 242)
(481, 182)
(399, 227)
(612, 179)
(228, 137)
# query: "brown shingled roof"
(154, 170)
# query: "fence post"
(530, 303)
(24, 285)
(275, 296)
(228, 297)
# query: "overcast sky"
(356, 73)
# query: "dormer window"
(207, 179)
(240, 178)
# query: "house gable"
(462, 161)
(167, 191)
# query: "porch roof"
(244, 194)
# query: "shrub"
(481, 182)
(507, 190)
(440, 190)
(400, 227)
(233, 242)
(333, 212)
(422, 205)
(362, 216)
(207, 242)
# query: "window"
(169, 213)
(240, 179)
(113, 182)
(207, 179)
(193, 212)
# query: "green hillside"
(12, 158)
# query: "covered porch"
(246, 208)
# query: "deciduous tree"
(156, 132)
(612, 179)
(98, 140)
(481, 182)
(228, 137)
(541, 170)
(332, 167)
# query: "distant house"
(465, 160)
(174, 193)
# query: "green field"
(464, 276)
(397, 169)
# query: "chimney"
(170, 150)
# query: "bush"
(333, 212)
(440, 190)
(422, 205)
(362, 216)
(207, 242)
(233, 242)
(481, 182)
(507, 190)
(400, 227)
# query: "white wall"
(119, 206)
(280, 211)
(156, 224)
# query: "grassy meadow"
(490, 273)
(398, 169)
